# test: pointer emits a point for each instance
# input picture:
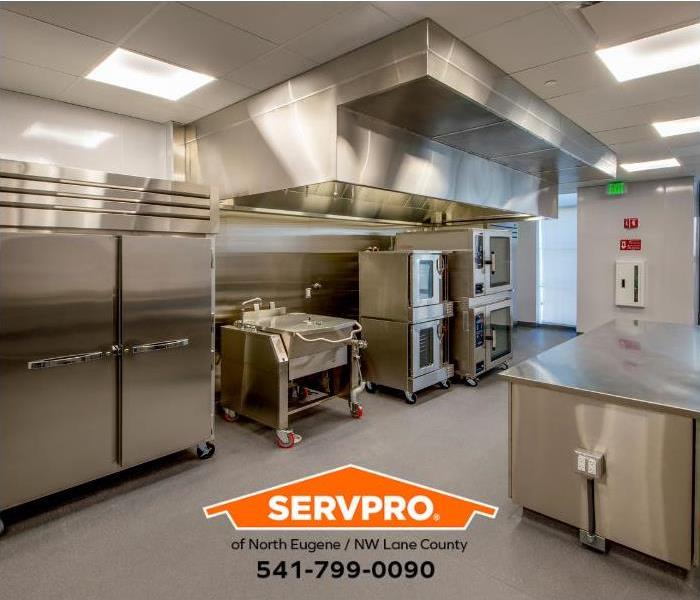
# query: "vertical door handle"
(62, 361)
(492, 338)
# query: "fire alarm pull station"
(630, 282)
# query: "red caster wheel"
(357, 411)
(286, 439)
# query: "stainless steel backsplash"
(277, 257)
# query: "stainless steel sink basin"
(304, 323)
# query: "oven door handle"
(492, 338)
(492, 262)
(158, 346)
(62, 361)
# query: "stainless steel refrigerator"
(105, 336)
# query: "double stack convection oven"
(480, 285)
(106, 325)
(403, 313)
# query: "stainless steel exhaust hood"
(411, 128)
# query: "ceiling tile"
(344, 32)
(529, 41)
(108, 21)
(595, 121)
(573, 74)
(217, 94)
(126, 102)
(685, 140)
(30, 79)
(688, 153)
(277, 22)
(648, 90)
(636, 133)
(272, 68)
(674, 108)
(640, 151)
(37, 43)
(618, 22)
(191, 39)
(460, 18)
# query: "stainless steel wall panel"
(58, 426)
(277, 257)
(167, 399)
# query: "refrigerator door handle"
(158, 346)
(62, 361)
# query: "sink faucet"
(314, 286)
(256, 302)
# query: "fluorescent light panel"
(144, 74)
(650, 164)
(654, 54)
(678, 126)
(85, 138)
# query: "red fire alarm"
(631, 223)
(630, 244)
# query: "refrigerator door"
(167, 395)
(497, 259)
(58, 395)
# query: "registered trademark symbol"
(436, 517)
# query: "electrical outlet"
(589, 464)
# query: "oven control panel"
(478, 330)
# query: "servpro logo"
(350, 497)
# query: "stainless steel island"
(602, 435)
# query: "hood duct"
(415, 127)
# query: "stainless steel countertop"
(625, 360)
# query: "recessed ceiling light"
(654, 54)
(143, 74)
(678, 126)
(85, 138)
(650, 164)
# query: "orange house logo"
(351, 497)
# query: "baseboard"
(545, 325)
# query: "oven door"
(427, 278)
(497, 247)
(426, 347)
(498, 333)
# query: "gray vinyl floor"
(142, 534)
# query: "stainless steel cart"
(275, 365)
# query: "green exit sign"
(616, 188)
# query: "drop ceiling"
(46, 48)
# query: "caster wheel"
(471, 382)
(286, 439)
(356, 411)
(445, 385)
(205, 450)
(2, 527)
(370, 387)
(228, 415)
(410, 397)
(504, 366)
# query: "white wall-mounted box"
(630, 282)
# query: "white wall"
(557, 268)
(41, 130)
(667, 212)
(525, 259)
